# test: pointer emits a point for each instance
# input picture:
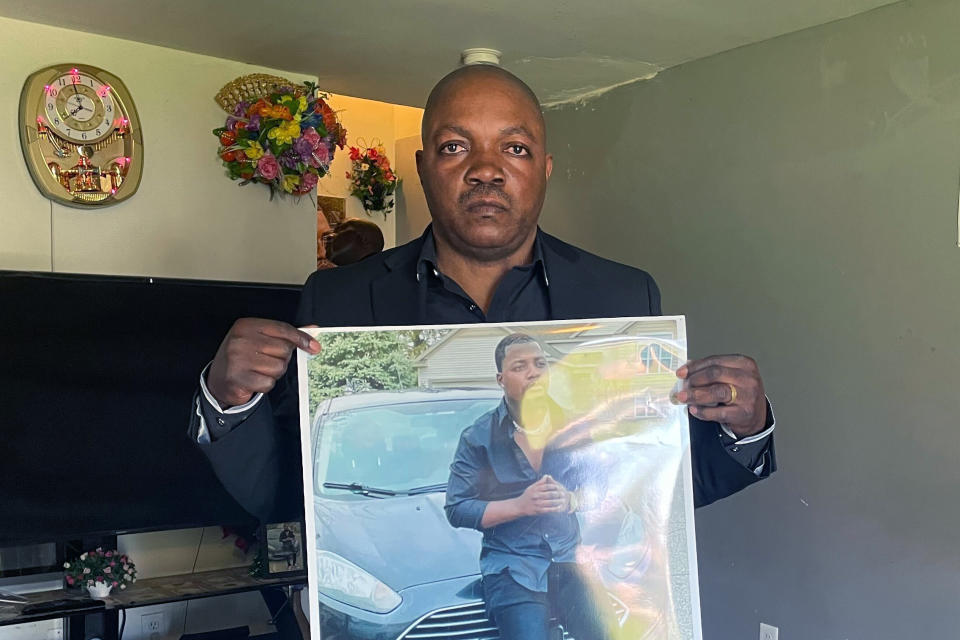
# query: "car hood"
(402, 541)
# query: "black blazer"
(258, 462)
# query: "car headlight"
(344, 581)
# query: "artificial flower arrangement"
(371, 179)
(278, 134)
(100, 570)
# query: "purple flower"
(254, 124)
(289, 159)
(303, 147)
(241, 108)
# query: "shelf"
(151, 591)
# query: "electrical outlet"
(151, 625)
(768, 632)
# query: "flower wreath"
(278, 134)
(371, 178)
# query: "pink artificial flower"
(322, 154)
(268, 166)
(308, 182)
(69, 579)
(311, 136)
(108, 553)
(114, 583)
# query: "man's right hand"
(546, 495)
(252, 357)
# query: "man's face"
(484, 166)
(523, 365)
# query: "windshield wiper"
(362, 489)
(430, 488)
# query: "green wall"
(798, 199)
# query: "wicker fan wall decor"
(252, 87)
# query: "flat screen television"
(96, 379)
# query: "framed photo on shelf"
(282, 548)
(332, 208)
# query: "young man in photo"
(510, 482)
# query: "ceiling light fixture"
(480, 56)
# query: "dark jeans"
(521, 614)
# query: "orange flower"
(257, 106)
(274, 112)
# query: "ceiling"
(395, 50)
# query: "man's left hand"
(725, 389)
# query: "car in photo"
(389, 566)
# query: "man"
(289, 546)
(509, 482)
(484, 170)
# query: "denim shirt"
(490, 466)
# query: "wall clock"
(80, 135)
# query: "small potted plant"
(100, 571)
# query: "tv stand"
(149, 591)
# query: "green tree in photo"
(362, 361)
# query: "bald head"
(469, 75)
(484, 165)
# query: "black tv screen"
(96, 380)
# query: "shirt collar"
(502, 421)
(427, 262)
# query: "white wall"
(187, 219)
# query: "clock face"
(80, 107)
(80, 135)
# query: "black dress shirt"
(489, 466)
(520, 296)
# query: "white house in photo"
(465, 358)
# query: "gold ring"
(733, 393)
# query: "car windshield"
(395, 447)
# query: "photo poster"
(409, 434)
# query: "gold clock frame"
(86, 184)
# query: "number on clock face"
(79, 107)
